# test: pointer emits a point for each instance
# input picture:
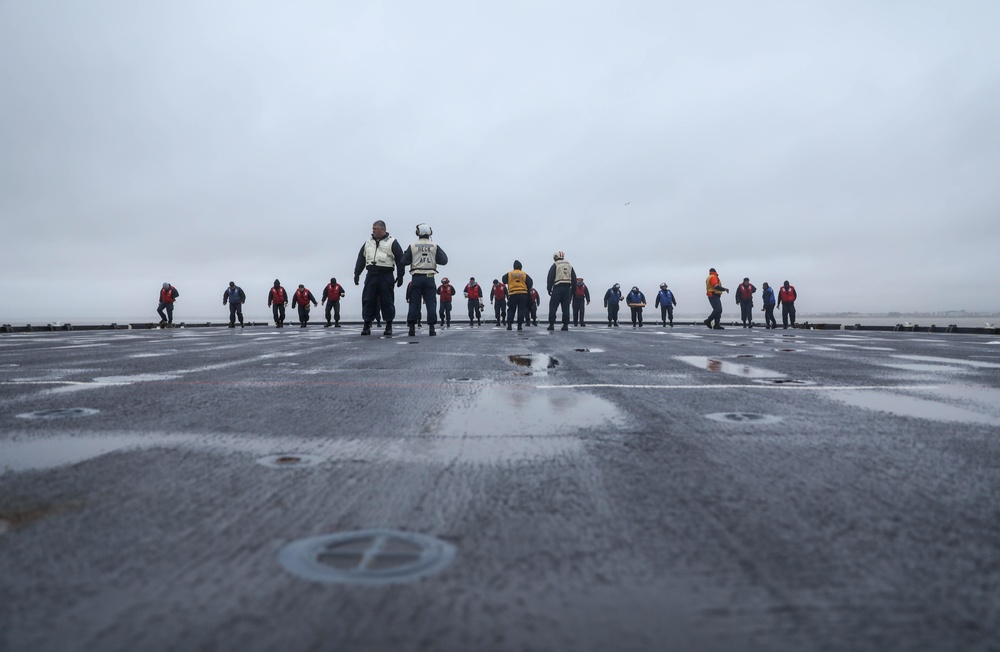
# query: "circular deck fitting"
(287, 460)
(783, 381)
(366, 557)
(787, 350)
(745, 418)
(58, 413)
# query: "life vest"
(517, 282)
(446, 292)
(278, 296)
(302, 297)
(744, 292)
(564, 272)
(498, 293)
(534, 295)
(474, 291)
(666, 297)
(167, 296)
(710, 283)
(333, 292)
(787, 296)
(379, 253)
(768, 297)
(424, 257)
(580, 290)
(234, 295)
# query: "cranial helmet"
(663, 286)
(166, 286)
(558, 255)
(424, 231)
(635, 288)
(445, 280)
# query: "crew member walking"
(277, 299)
(744, 297)
(636, 300)
(665, 301)
(168, 294)
(767, 296)
(560, 283)
(235, 297)
(423, 257)
(519, 284)
(533, 302)
(445, 292)
(474, 293)
(581, 296)
(331, 297)
(786, 299)
(302, 298)
(611, 300)
(382, 257)
(714, 290)
(498, 297)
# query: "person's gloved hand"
(399, 282)
(357, 279)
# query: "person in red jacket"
(168, 294)
(277, 299)
(331, 297)
(744, 299)
(302, 298)
(498, 297)
(786, 299)
(474, 293)
(581, 298)
(533, 302)
(445, 292)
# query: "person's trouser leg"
(232, 314)
(784, 315)
(170, 313)
(160, 311)
(791, 314)
(663, 313)
(716, 315)
(327, 312)
(670, 313)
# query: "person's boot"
(413, 331)
(565, 327)
(431, 331)
(509, 327)
(708, 322)
(519, 327)
(479, 322)
(388, 329)
(551, 327)
(367, 329)
(471, 323)
(232, 325)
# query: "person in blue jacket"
(235, 297)
(665, 301)
(611, 300)
(767, 296)
(636, 300)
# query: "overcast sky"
(852, 148)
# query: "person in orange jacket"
(714, 290)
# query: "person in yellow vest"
(519, 286)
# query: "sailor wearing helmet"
(560, 284)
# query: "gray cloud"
(848, 147)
